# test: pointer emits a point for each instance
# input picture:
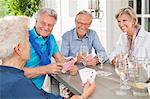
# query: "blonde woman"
(133, 37)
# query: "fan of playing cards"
(67, 66)
(87, 74)
(86, 59)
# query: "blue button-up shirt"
(35, 59)
(71, 43)
(14, 85)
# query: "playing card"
(87, 74)
(92, 75)
(88, 58)
(83, 75)
(67, 66)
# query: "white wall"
(99, 25)
(73, 7)
(112, 30)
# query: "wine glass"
(84, 50)
(101, 59)
(124, 77)
(101, 72)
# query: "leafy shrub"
(23, 7)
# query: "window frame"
(143, 15)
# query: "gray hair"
(130, 12)
(49, 11)
(85, 13)
(12, 32)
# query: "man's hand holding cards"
(67, 66)
(87, 59)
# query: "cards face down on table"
(103, 73)
(87, 74)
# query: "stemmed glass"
(123, 73)
(101, 59)
(101, 72)
(124, 77)
(84, 51)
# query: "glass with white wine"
(101, 59)
(84, 52)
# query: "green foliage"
(23, 7)
(3, 9)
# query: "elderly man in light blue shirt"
(81, 35)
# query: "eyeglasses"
(81, 23)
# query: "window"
(142, 8)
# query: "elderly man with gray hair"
(43, 46)
(14, 52)
(81, 35)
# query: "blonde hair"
(130, 12)
(12, 32)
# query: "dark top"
(14, 85)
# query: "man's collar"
(36, 35)
(75, 36)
